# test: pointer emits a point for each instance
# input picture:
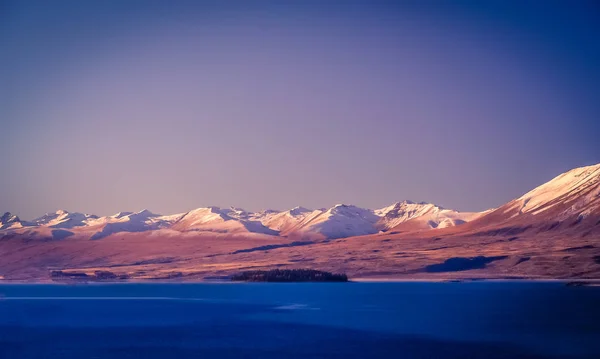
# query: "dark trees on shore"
(289, 275)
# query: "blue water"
(301, 320)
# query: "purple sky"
(172, 105)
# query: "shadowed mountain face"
(8, 220)
(552, 231)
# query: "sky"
(110, 106)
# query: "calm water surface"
(301, 320)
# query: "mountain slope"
(63, 219)
(340, 221)
(576, 192)
(569, 199)
(552, 231)
(214, 219)
(408, 215)
(568, 203)
(141, 221)
(286, 221)
(10, 221)
(336, 222)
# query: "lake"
(300, 320)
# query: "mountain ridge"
(341, 220)
(550, 232)
(573, 195)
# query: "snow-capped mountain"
(64, 219)
(339, 221)
(573, 195)
(215, 219)
(10, 221)
(570, 201)
(286, 221)
(431, 215)
(141, 221)
(576, 192)
(408, 215)
(336, 222)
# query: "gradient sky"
(171, 105)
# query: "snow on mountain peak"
(264, 213)
(9, 217)
(121, 214)
(205, 214)
(143, 213)
(340, 221)
(421, 215)
(577, 188)
(407, 209)
(285, 221)
(214, 219)
(234, 212)
(348, 209)
(298, 210)
(64, 219)
(9, 220)
(237, 210)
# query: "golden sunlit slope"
(552, 231)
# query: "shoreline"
(582, 281)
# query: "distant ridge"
(550, 232)
(573, 196)
(341, 220)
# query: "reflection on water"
(321, 320)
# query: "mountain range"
(338, 221)
(552, 231)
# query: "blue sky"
(171, 105)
